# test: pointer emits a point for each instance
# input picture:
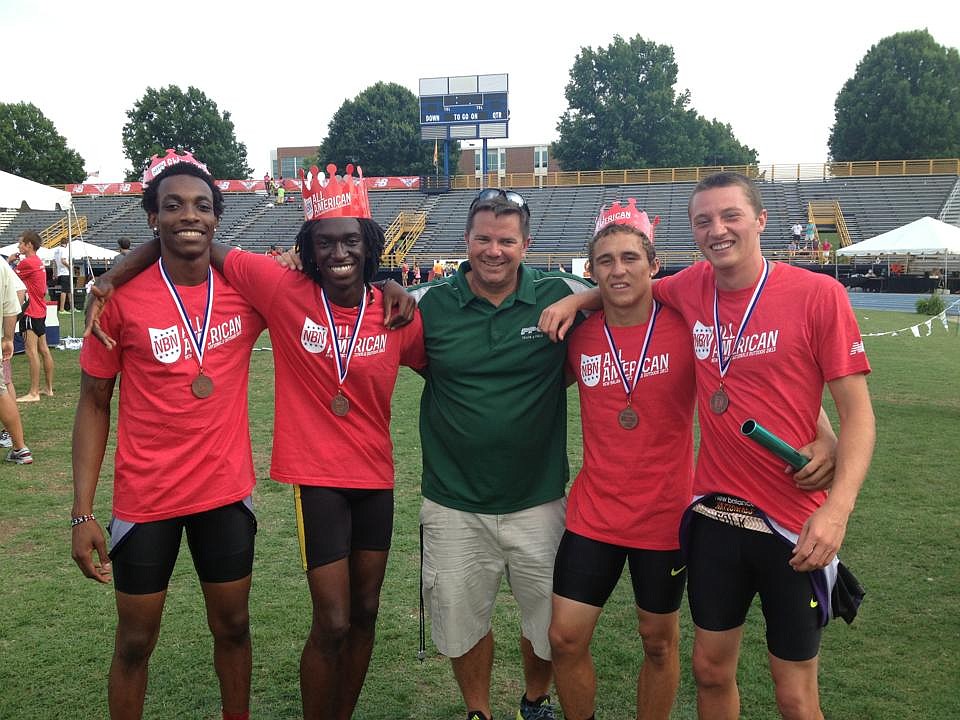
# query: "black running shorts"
(588, 570)
(728, 565)
(221, 543)
(332, 522)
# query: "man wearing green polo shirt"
(493, 431)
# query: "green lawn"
(898, 660)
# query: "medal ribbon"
(343, 363)
(198, 343)
(627, 385)
(724, 363)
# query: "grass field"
(900, 659)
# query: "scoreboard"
(464, 107)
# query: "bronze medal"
(340, 405)
(719, 402)
(201, 387)
(628, 418)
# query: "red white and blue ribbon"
(343, 362)
(722, 362)
(197, 340)
(628, 386)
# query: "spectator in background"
(811, 234)
(797, 231)
(267, 181)
(404, 271)
(61, 265)
(12, 290)
(417, 277)
(34, 322)
(281, 191)
(124, 245)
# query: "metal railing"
(51, 236)
(761, 173)
(400, 236)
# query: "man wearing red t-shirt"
(34, 323)
(767, 337)
(634, 368)
(182, 339)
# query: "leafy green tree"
(902, 103)
(379, 130)
(172, 118)
(31, 147)
(623, 112)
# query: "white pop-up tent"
(21, 194)
(925, 236)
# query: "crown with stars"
(159, 164)
(329, 196)
(618, 214)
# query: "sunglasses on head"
(511, 196)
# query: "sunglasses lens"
(515, 198)
(509, 195)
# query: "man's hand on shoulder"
(398, 305)
(100, 293)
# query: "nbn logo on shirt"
(530, 333)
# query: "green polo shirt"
(493, 416)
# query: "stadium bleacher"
(562, 217)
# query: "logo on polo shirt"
(313, 336)
(166, 344)
(530, 333)
(590, 369)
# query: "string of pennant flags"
(915, 330)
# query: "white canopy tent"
(46, 254)
(925, 236)
(22, 194)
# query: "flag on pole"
(435, 156)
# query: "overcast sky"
(770, 69)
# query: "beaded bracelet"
(77, 520)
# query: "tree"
(171, 118)
(31, 147)
(379, 130)
(902, 103)
(623, 112)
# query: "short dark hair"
(500, 206)
(31, 237)
(124, 243)
(729, 179)
(373, 242)
(645, 242)
(151, 193)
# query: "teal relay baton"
(759, 434)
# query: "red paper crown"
(159, 164)
(629, 215)
(327, 196)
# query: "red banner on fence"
(240, 186)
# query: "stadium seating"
(561, 217)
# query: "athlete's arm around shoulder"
(90, 429)
(823, 532)
(137, 260)
(557, 319)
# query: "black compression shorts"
(728, 565)
(221, 543)
(588, 570)
(332, 522)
